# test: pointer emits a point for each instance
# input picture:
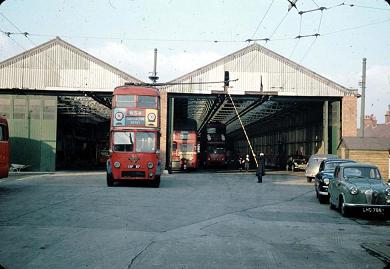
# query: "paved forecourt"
(194, 220)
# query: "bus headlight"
(151, 117)
(117, 164)
(119, 116)
(150, 165)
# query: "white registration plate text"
(372, 210)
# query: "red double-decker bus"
(134, 135)
(4, 148)
(213, 145)
(185, 145)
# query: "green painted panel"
(32, 124)
(335, 125)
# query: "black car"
(296, 163)
(323, 177)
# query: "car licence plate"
(372, 210)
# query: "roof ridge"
(270, 53)
(75, 49)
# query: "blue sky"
(124, 33)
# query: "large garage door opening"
(280, 127)
(83, 126)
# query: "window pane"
(146, 142)
(2, 127)
(147, 101)
(5, 107)
(211, 130)
(123, 141)
(49, 109)
(125, 100)
(187, 147)
(19, 109)
(184, 135)
(215, 150)
(35, 109)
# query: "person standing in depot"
(240, 163)
(260, 168)
(247, 163)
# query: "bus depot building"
(57, 100)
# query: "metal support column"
(171, 107)
(325, 128)
(335, 126)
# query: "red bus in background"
(4, 148)
(213, 145)
(134, 135)
(185, 145)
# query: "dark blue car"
(323, 177)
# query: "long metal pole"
(363, 98)
(243, 127)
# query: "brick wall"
(349, 116)
(163, 122)
(379, 158)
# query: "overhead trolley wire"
(298, 39)
(262, 19)
(315, 3)
(308, 49)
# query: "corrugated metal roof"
(58, 65)
(366, 143)
(259, 69)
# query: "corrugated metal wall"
(255, 66)
(32, 124)
(58, 65)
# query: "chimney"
(387, 117)
(370, 121)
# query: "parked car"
(296, 163)
(324, 175)
(359, 186)
(314, 164)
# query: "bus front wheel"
(156, 182)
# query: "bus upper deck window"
(125, 101)
(147, 101)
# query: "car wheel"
(308, 179)
(110, 181)
(343, 208)
(323, 199)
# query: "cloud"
(140, 63)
